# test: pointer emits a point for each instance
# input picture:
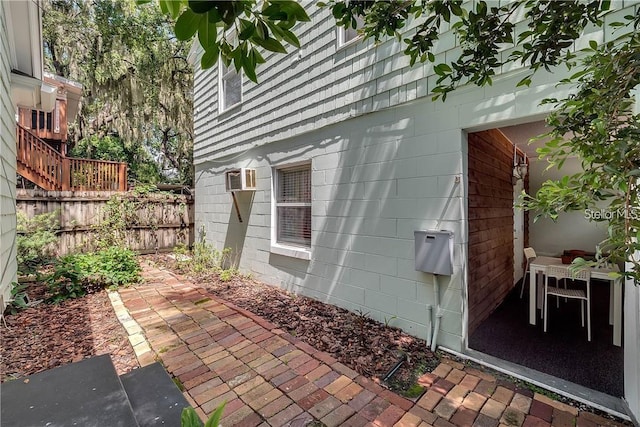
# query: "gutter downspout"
(436, 328)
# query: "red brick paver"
(223, 353)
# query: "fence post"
(66, 175)
(123, 177)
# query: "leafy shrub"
(204, 258)
(66, 280)
(35, 241)
(76, 274)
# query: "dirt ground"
(46, 336)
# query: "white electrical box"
(242, 179)
(434, 251)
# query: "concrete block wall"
(8, 264)
(374, 181)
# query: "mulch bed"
(50, 335)
(367, 346)
(46, 336)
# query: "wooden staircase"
(38, 162)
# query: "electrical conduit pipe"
(436, 327)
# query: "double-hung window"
(230, 86)
(293, 206)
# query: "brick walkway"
(221, 352)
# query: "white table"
(615, 294)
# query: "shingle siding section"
(8, 264)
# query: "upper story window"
(230, 84)
(293, 205)
(349, 35)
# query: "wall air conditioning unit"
(243, 179)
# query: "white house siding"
(8, 265)
(385, 160)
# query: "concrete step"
(87, 393)
(154, 397)
(90, 393)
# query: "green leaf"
(290, 38)
(257, 56)
(171, 7)
(187, 24)
(210, 57)
(214, 420)
(201, 6)
(189, 418)
(247, 29)
(524, 82)
(270, 44)
(207, 34)
(294, 10)
(250, 70)
(593, 44)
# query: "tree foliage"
(137, 82)
(597, 122)
(235, 30)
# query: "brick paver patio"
(220, 352)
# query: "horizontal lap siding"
(7, 169)
(490, 223)
(308, 88)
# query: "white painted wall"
(572, 230)
(8, 265)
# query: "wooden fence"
(162, 220)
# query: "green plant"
(18, 298)
(66, 280)
(35, 241)
(204, 258)
(117, 266)
(189, 417)
(228, 274)
(387, 321)
(76, 274)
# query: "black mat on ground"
(86, 393)
(563, 351)
(154, 397)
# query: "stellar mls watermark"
(609, 214)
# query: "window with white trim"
(230, 86)
(293, 205)
(348, 35)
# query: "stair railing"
(57, 172)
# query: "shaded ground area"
(46, 336)
(368, 347)
(563, 351)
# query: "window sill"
(291, 251)
(349, 43)
(230, 109)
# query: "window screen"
(293, 205)
(231, 86)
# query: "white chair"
(529, 254)
(562, 273)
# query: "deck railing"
(43, 165)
